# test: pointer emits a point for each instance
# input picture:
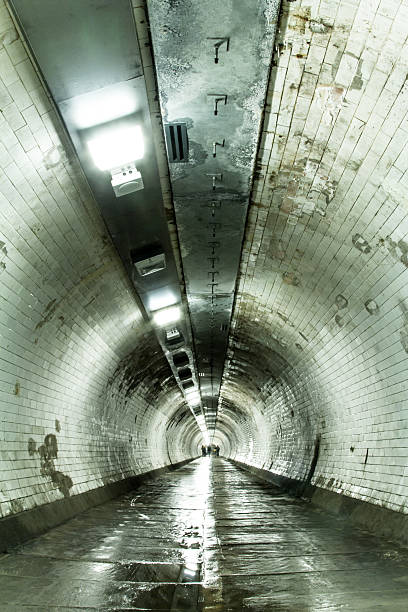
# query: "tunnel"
(204, 244)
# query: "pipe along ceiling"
(203, 238)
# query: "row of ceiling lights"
(116, 147)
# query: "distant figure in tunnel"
(203, 450)
(217, 451)
(209, 450)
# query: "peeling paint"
(330, 99)
(361, 243)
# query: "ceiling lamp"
(116, 149)
(150, 265)
(194, 398)
(165, 316)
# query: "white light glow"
(161, 299)
(116, 147)
(193, 398)
(166, 316)
(132, 318)
(103, 105)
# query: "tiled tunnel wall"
(319, 343)
(87, 397)
(318, 348)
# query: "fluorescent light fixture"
(193, 402)
(194, 399)
(151, 265)
(116, 147)
(192, 394)
(161, 298)
(165, 316)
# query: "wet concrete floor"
(207, 537)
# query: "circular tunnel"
(314, 384)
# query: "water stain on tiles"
(398, 250)
(47, 314)
(48, 453)
(404, 328)
(371, 307)
(361, 244)
(341, 301)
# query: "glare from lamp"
(166, 316)
(102, 105)
(161, 299)
(195, 394)
(193, 401)
(116, 147)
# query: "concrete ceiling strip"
(212, 65)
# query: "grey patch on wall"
(398, 250)
(178, 171)
(54, 157)
(371, 306)
(197, 154)
(16, 506)
(31, 447)
(361, 244)
(290, 278)
(319, 27)
(342, 319)
(48, 452)
(357, 82)
(9, 36)
(57, 425)
(404, 329)
(47, 314)
(341, 301)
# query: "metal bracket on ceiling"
(220, 41)
(214, 205)
(213, 260)
(217, 99)
(217, 144)
(215, 178)
(214, 227)
(214, 245)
